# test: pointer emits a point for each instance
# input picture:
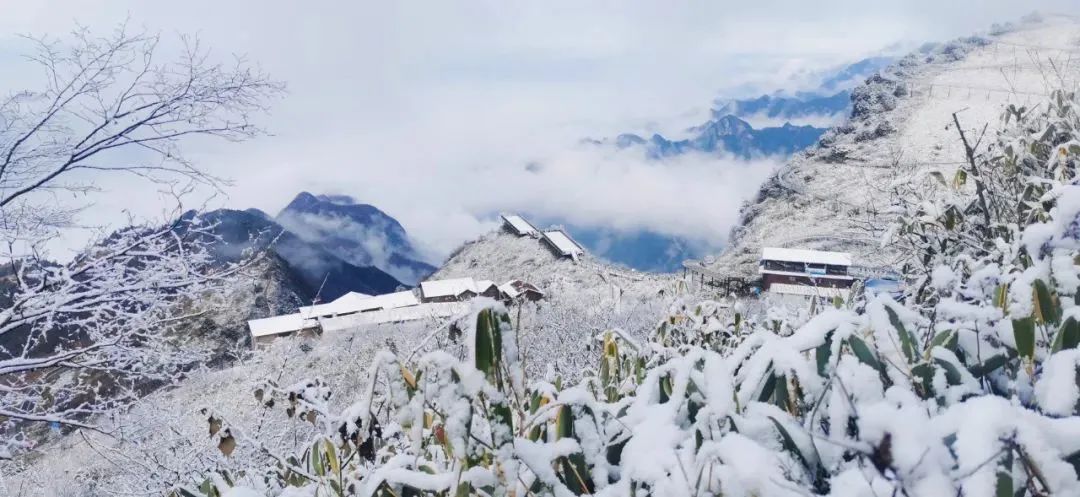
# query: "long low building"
(457, 289)
(430, 311)
(354, 302)
(439, 299)
(517, 225)
(308, 319)
(562, 244)
(267, 329)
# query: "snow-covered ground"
(166, 431)
(833, 197)
(822, 200)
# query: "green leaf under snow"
(907, 341)
(1047, 310)
(1068, 336)
(1024, 334)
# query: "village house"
(562, 244)
(306, 321)
(264, 331)
(439, 299)
(517, 290)
(434, 312)
(807, 273)
(517, 225)
(354, 302)
(487, 288)
(449, 290)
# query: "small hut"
(517, 290)
(562, 244)
(487, 288)
(517, 225)
(450, 290)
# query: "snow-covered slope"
(832, 197)
(168, 428)
(500, 256)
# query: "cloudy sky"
(431, 110)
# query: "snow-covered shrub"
(969, 387)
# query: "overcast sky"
(430, 110)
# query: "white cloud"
(429, 110)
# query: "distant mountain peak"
(236, 232)
(359, 233)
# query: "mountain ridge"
(361, 234)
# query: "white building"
(435, 312)
(267, 329)
(449, 290)
(309, 319)
(562, 244)
(518, 225)
(354, 302)
(807, 273)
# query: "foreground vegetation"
(968, 386)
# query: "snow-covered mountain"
(829, 197)
(361, 234)
(793, 122)
(823, 106)
(834, 196)
(321, 270)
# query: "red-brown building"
(810, 273)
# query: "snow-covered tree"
(77, 338)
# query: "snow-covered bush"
(969, 387)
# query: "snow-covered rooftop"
(358, 302)
(807, 256)
(392, 300)
(447, 288)
(563, 243)
(519, 225)
(509, 290)
(435, 310)
(278, 325)
(351, 296)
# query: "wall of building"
(768, 279)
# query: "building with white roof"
(450, 290)
(520, 290)
(517, 225)
(562, 244)
(487, 288)
(310, 319)
(434, 311)
(806, 256)
(266, 329)
(354, 302)
(810, 273)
